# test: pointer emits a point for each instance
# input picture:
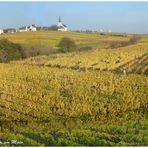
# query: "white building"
(28, 28)
(9, 30)
(1, 31)
(101, 30)
(32, 28)
(60, 26)
(109, 30)
(23, 29)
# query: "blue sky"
(129, 17)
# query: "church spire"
(59, 19)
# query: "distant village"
(59, 27)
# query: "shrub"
(67, 45)
(9, 51)
(48, 140)
(3, 56)
(134, 39)
(102, 143)
(116, 130)
(85, 48)
(31, 51)
(65, 142)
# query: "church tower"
(60, 19)
(60, 26)
(60, 23)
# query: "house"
(32, 28)
(9, 30)
(28, 28)
(101, 30)
(1, 31)
(60, 26)
(109, 31)
(23, 29)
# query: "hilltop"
(46, 42)
(51, 38)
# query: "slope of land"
(133, 58)
(76, 99)
(57, 98)
(52, 38)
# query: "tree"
(9, 51)
(67, 45)
(53, 27)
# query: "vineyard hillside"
(133, 58)
(77, 98)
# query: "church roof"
(64, 25)
(33, 25)
(61, 26)
(22, 28)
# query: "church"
(60, 26)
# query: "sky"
(130, 17)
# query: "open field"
(52, 38)
(78, 98)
